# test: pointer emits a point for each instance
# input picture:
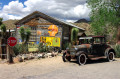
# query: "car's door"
(103, 46)
(97, 47)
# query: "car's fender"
(79, 52)
(108, 50)
(66, 52)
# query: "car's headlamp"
(67, 48)
(76, 48)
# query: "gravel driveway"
(55, 68)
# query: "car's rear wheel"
(66, 58)
(82, 59)
(111, 56)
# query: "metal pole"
(8, 49)
(10, 55)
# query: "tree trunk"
(118, 36)
(3, 42)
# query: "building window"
(33, 28)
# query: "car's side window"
(97, 41)
(102, 40)
(85, 41)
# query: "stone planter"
(40, 56)
(25, 57)
(17, 59)
(31, 56)
(54, 54)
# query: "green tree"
(2, 28)
(74, 34)
(1, 21)
(105, 15)
(22, 33)
(3, 36)
(25, 36)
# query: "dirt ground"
(55, 68)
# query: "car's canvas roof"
(90, 37)
(85, 38)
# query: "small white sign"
(66, 38)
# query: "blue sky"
(5, 2)
(69, 10)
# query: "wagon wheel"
(66, 58)
(110, 56)
(81, 59)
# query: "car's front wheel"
(66, 58)
(81, 59)
(110, 56)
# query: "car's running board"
(96, 58)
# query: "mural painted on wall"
(56, 42)
(51, 41)
(49, 30)
(38, 32)
(53, 30)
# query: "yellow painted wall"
(51, 41)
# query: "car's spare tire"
(66, 58)
(110, 56)
(81, 59)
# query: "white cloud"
(62, 9)
(6, 16)
(72, 21)
(82, 11)
(14, 7)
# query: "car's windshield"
(85, 40)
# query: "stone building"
(47, 29)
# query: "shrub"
(17, 49)
(67, 45)
(50, 48)
(44, 48)
(40, 47)
(20, 49)
(117, 50)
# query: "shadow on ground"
(93, 61)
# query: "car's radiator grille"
(72, 51)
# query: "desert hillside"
(86, 26)
(10, 24)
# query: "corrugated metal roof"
(67, 23)
(60, 21)
(90, 37)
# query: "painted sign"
(56, 42)
(37, 42)
(53, 30)
(38, 32)
(51, 41)
(18, 26)
(43, 39)
(32, 46)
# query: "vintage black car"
(89, 48)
